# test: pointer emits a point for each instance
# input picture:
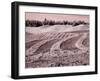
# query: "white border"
(38, 71)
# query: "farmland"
(56, 46)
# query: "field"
(57, 46)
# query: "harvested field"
(66, 46)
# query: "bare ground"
(54, 49)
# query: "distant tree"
(45, 22)
(51, 22)
(75, 23)
(27, 23)
(37, 23)
(65, 22)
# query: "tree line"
(37, 23)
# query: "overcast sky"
(56, 17)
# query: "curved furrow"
(69, 44)
(75, 44)
(55, 35)
(31, 43)
(56, 48)
(35, 47)
(46, 46)
(61, 36)
(64, 35)
(86, 41)
(80, 45)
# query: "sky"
(55, 16)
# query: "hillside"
(58, 45)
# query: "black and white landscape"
(51, 42)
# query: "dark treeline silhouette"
(37, 23)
